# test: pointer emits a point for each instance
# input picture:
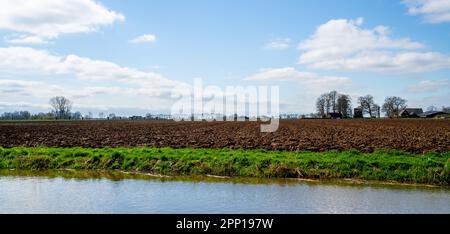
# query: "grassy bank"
(431, 168)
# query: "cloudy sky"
(126, 56)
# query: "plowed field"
(309, 135)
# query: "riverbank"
(385, 165)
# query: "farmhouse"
(411, 112)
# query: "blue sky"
(378, 47)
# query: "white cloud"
(34, 96)
(27, 88)
(312, 82)
(158, 106)
(344, 45)
(279, 44)
(310, 85)
(426, 86)
(39, 75)
(37, 89)
(48, 19)
(26, 40)
(433, 11)
(33, 76)
(16, 106)
(146, 38)
(436, 100)
(24, 60)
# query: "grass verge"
(384, 165)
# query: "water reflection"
(101, 192)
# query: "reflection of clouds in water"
(58, 195)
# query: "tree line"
(61, 109)
(332, 103)
(327, 105)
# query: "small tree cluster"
(334, 102)
(368, 106)
(393, 106)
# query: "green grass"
(430, 168)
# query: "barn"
(411, 112)
(431, 114)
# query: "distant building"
(358, 113)
(431, 114)
(334, 115)
(136, 118)
(290, 116)
(411, 112)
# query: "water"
(54, 194)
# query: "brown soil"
(312, 135)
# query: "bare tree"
(377, 110)
(368, 105)
(344, 105)
(321, 105)
(332, 97)
(77, 115)
(326, 103)
(446, 109)
(393, 106)
(61, 107)
(432, 108)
